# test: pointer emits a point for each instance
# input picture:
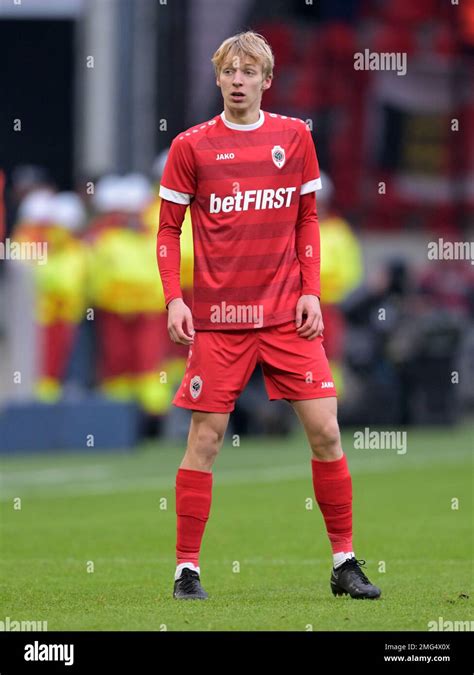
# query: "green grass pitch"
(92, 546)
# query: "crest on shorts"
(195, 386)
(278, 156)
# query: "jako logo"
(225, 155)
(327, 385)
(262, 199)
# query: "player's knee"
(206, 441)
(327, 435)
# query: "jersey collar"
(244, 127)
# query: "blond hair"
(246, 44)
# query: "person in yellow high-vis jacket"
(59, 282)
(341, 272)
(125, 291)
(173, 361)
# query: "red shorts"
(220, 364)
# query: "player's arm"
(168, 254)
(168, 250)
(308, 251)
(178, 186)
(308, 247)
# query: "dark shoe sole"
(190, 597)
(336, 590)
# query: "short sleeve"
(178, 183)
(311, 179)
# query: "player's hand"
(180, 322)
(309, 320)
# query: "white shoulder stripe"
(174, 195)
(311, 186)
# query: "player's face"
(242, 85)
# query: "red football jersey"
(244, 185)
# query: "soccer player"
(250, 177)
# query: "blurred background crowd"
(95, 91)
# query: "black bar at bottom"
(147, 652)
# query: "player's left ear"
(267, 83)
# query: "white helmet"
(159, 164)
(327, 191)
(67, 210)
(135, 193)
(107, 194)
(36, 207)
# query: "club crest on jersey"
(195, 386)
(278, 156)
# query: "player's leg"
(333, 491)
(206, 434)
(331, 477)
(194, 497)
(219, 365)
(297, 370)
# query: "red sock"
(193, 503)
(333, 490)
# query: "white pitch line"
(112, 484)
(171, 560)
(56, 475)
